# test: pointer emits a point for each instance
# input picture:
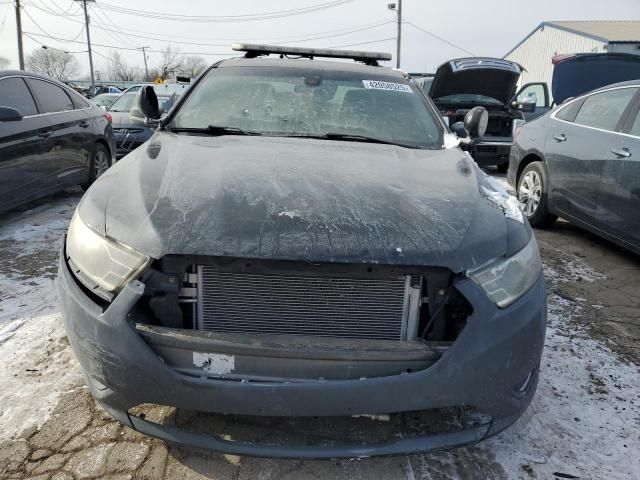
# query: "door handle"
(621, 152)
(84, 124)
(560, 138)
(44, 133)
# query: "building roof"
(602, 30)
(605, 30)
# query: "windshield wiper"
(349, 137)
(213, 130)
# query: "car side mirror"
(146, 110)
(8, 114)
(475, 122)
(459, 130)
(149, 102)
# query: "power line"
(50, 11)
(127, 48)
(444, 40)
(225, 18)
(65, 12)
(363, 43)
(47, 47)
(290, 39)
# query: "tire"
(532, 192)
(100, 163)
(503, 167)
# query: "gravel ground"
(583, 422)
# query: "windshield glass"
(310, 102)
(123, 103)
(470, 98)
(165, 103)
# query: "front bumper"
(496, 351)
(128, 142)
(492, 151)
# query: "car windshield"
(318, 103)
(123, 103)
(468, 98)
(165, 103)
(104, 100)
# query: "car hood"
(491, 77)
(575, 75)
(299, 199)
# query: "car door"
(578, 144)
(620, 209)
(67, 148)
(22, 166)
(537, 91)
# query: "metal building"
(537, 49)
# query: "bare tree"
(53, 63)
(4, 63)
(172, 61)
(193, 66)
(118, 69)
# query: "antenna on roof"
(253, 50)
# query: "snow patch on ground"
(36, 363)
(585, 417)
(37, 366)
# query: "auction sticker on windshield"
(378, 85)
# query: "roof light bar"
(254, 50)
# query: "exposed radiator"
(252, 303)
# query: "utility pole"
(86, 22)
(146, 70)
(399, 40)
(397, 7)
(19, 27)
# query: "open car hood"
(491, 77)
(578, 74)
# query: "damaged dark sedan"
(303, 239)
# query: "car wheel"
(100, 163)
(532, 194)
(503, 167)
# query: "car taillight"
(108, 117)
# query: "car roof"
(22, 73)
(306, 64)
(628, 83)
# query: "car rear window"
(635, 128)
(603, 110)
(15, 94)
(568, 113)
(51, 97)
(296, 102)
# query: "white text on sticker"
(378, 85)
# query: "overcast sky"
(489, 27)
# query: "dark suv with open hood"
(464, 83)
(303, 239)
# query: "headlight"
(104, 262)
(506, 279)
